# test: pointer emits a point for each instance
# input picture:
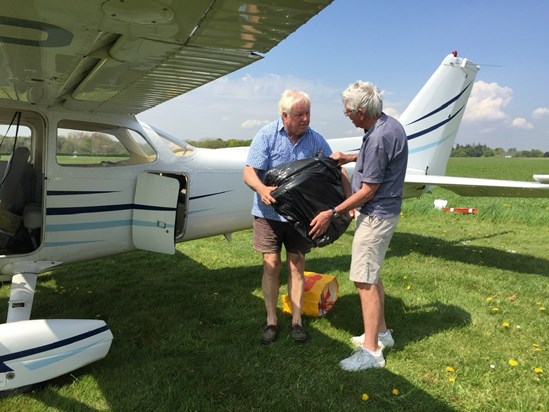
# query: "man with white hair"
(377, 185)
(284, 140)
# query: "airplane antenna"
(489, 65)
(455, 53)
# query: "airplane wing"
(474, 187)
(128, 56)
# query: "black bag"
(305, 188)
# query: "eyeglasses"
(348, 112)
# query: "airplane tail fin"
(432, 119)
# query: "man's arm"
(320, 223)
(253, 181)
(346, 184)
(343, 158)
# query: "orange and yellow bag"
(321, 292)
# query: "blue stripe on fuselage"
(44, 348)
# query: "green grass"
(515, 168)
(464, 292)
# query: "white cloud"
(521, 123)
(253, 123)
(236, 106)
(487, 130)
(253, 88)
(540, 112)
(487, 102)
(391, 111)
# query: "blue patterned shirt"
(272, 147)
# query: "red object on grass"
(464, 210)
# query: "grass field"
(466, 299)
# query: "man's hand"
(251, 178)
(343, 158)
(320, 223)
(265, 195)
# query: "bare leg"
(270, 284)
(296, 282)
(381, 291)
(371, 302)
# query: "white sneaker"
(384, 340)
(363, 359)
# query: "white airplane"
(85, 179)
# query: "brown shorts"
(270, 235)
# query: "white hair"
(365, 96)
(289, 98)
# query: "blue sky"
(397, 45)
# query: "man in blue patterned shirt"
(287, 139)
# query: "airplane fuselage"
(89, 206)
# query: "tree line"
(480, 150)
(474, 150)
(219, 143)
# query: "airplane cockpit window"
(21, 187)
(95, 144)
(9, 141)
(17, 179)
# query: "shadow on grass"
(404, 243)
(187, 338)
(412, 322)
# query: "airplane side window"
(82, 144)
(8, 140)
(17, 173)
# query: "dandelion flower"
(395, 391)
(536, 347)
(495, 309)
(365, 397)
(513, 362)
(489, 298)
(450, 369)
(408, 287)
(452, 379)
(538, 370)
(542, 308)
(505, 324)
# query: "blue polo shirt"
(382, 159)
(272, 147)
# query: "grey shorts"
(370, 243)
(270, 235)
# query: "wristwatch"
(334, 212)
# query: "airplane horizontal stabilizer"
(475, 187)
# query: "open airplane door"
(155, 203)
